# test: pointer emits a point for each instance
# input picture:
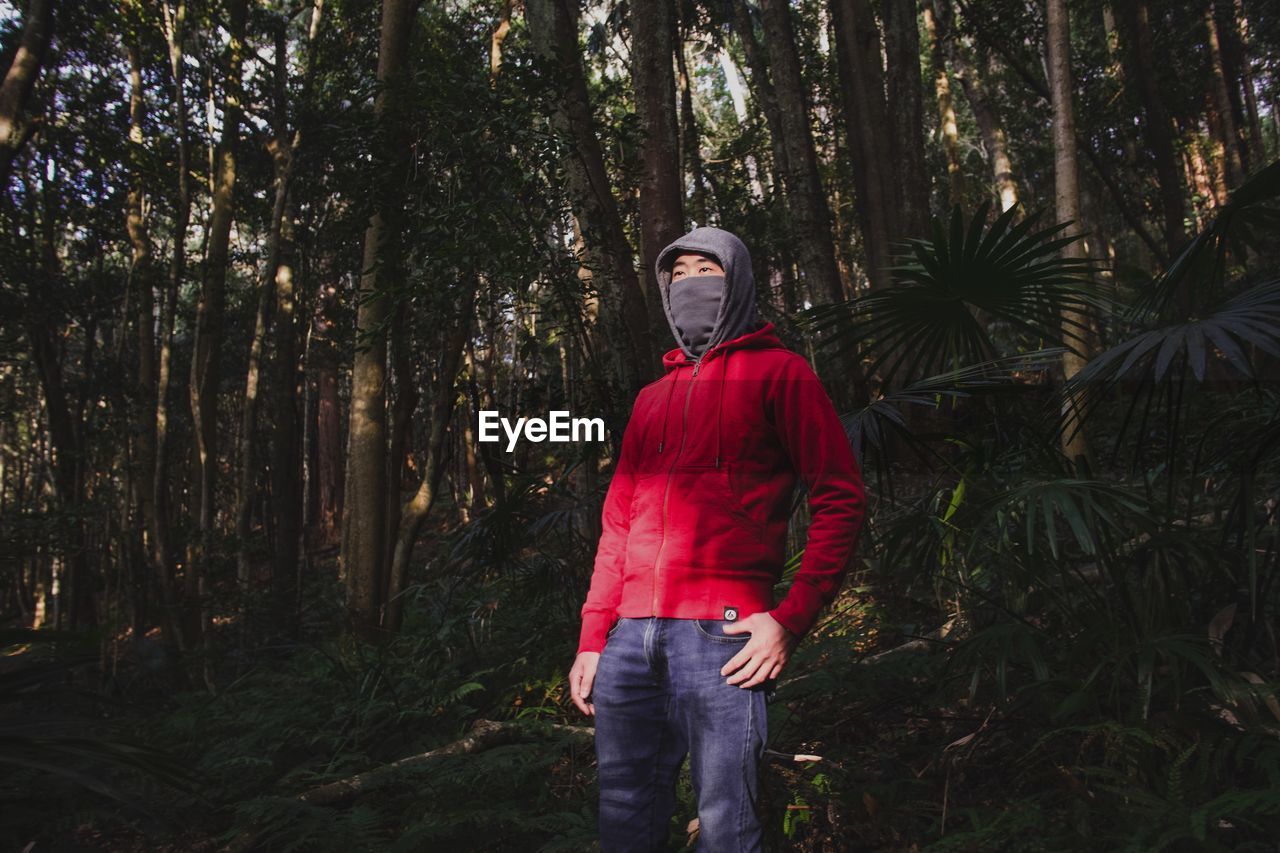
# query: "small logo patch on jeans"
(731, 614)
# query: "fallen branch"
(920, 644)
(485, 734)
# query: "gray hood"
(737, 314)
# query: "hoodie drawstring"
(666, 409)
(724, 372)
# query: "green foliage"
(1200, 274)
(327, 710)
(1099, 687)
(49, 750)
(1196, 316)
(286, 824)
(927, 322)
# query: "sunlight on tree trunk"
(939, 30)
(365, 502)
(1067, 192)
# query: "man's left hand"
(764, 655)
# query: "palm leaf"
(1088, 507)
(1250, 318)
(1247, 219)
(927, 323)
(870, 426)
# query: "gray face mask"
(695, 300)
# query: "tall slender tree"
(806, 198)
(985, 114)
(174, 26)
(143, 277)
(210, 317)
(1157, 127)
(286, 469)
(608, 261)
(864, 113)
(939, 27)
(661, 198)
(16, 127)
(1066, 192)
(1222, 114)
(365, 503)
(904, 95)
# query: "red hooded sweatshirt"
(695, 518)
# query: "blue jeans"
(659, 695)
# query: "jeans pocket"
(713, 629)
(616, 625)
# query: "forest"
(264, 264)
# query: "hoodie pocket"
(734, 504)
(720, 492)
(642, 495)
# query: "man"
(681, 641)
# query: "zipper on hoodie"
(653, 606)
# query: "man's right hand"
(581, 678)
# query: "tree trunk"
(1224, 125)
(1257, 150)
(286, 466)
(764, 92)
(1210, 143)
(1157, 127)
(286, 457)
(275, 292)
(415, 512)
(1115, 69)
(1067, 192)
(737, 94)
(142, 281)
(904, 96)
(989, 125)
(325, 360)
(661, 199)
(637, 355)
(364, 518)
(404, 365)
(939, 30)
(210, 311)
(690, 148)
(1118, 193)
(806, 200)
(64, 450)
(862, 94)
(1233, 62)
(15, 128)
(162, 549)
(482, 398)
(499, 36)
(476, 500)
(1198, 178)
(247, 486)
